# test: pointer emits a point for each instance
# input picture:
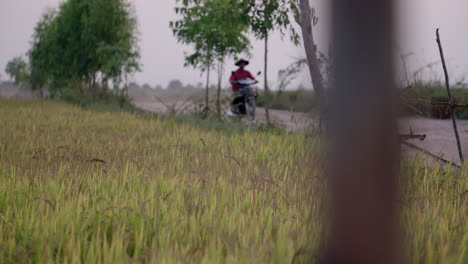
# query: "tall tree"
(265, 17)
(17, 69)
(175, 85)
(40, 54)
(216, 29)
(191, 30)
(85, 42)
(307, 20)
(229, 18)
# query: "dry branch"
(451, 101)
(442, 104)
(439, 158)
(97, 160)
(233, 158)
(412, 136)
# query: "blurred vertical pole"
(362, 127)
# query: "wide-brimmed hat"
(246, 62)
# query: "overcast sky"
(163, 58)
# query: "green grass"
(426, 91)
(297, 100)
(433, 91)
(305, 100)
(80, 186)
(109, 103)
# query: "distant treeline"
(83, 48)
(174, 85)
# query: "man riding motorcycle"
(238, 88)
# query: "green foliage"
(215, 28)
(416, 100)
(41, 54)
(270, 15)
(299, 100)
(83, 42)
(17, 69)
(175, 85)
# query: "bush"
(297, 100)
(103, 102)
(416, 100)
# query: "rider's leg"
(237, 104)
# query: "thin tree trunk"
(87, 89)
(218, 96)
(105, 87)
(451, 100)
(124, 92)
(82, 88)
(207, 93)
(126, 84)
(311, 49)
(267, 90)
(93, 86)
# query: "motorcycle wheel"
(251, 106)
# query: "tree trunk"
(105, 88)
(267, 90)
(218, 96)
(311, 50)
(85, 86)
(93, 86)
(207, 93)
(82, 88)
(363, 136)
(124, 92)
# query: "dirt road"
(439, 140)
(293, 121)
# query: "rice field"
(79, 186)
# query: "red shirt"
(240, 75)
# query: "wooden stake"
(451, 101)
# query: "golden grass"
(85, 187)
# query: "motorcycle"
(247, 99)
